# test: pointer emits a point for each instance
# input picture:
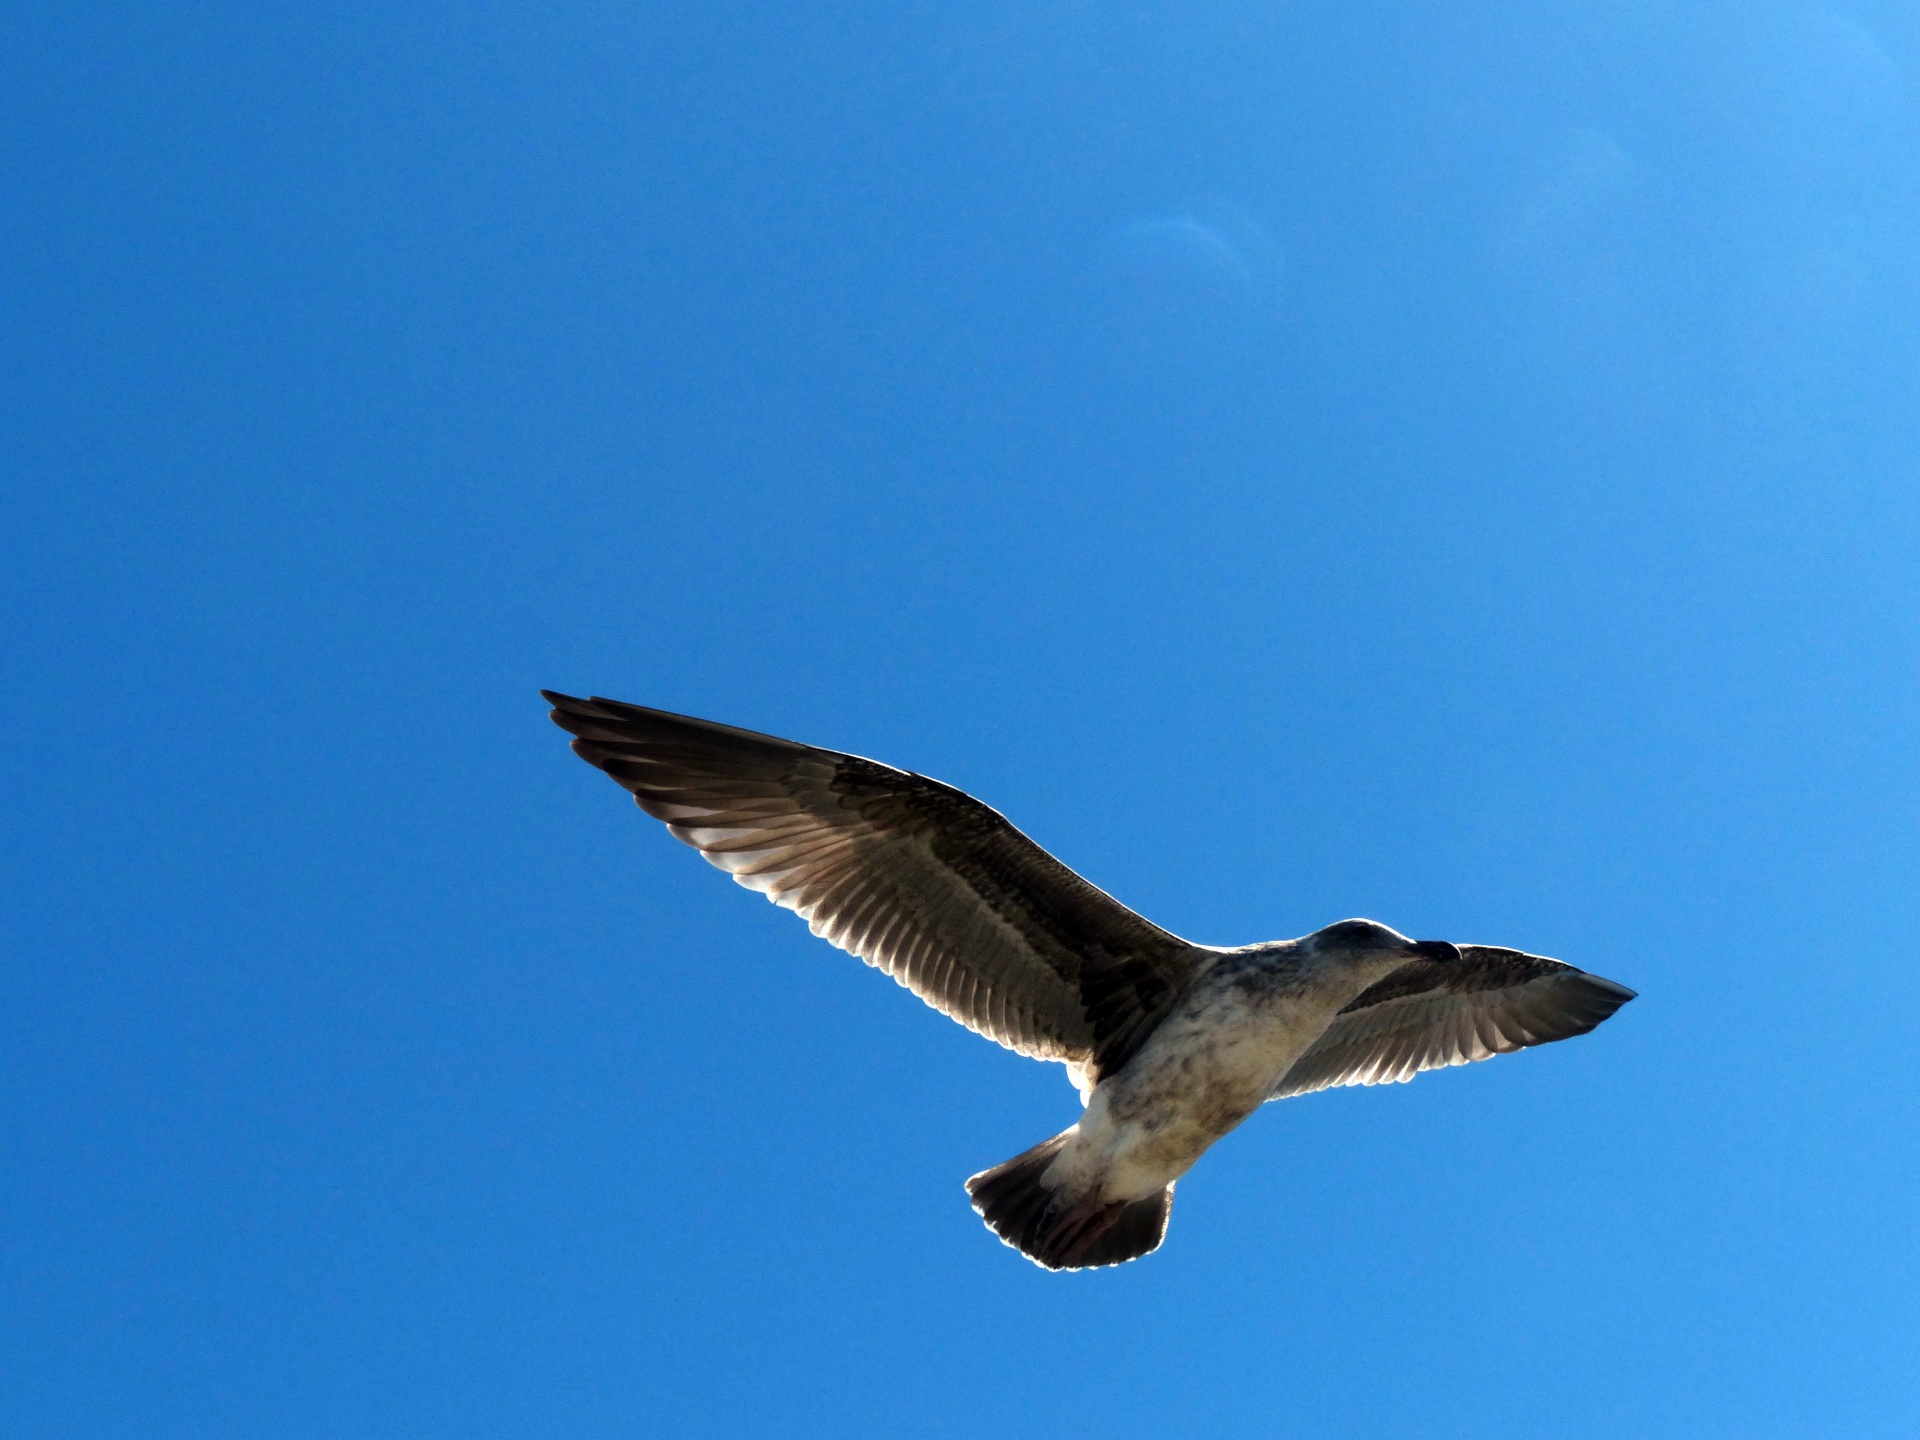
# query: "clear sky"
(1457, 464)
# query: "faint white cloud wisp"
(1190, 282)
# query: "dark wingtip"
(1600, 998)
(569, 712)
(1612, 989)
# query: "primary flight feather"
(1171, 1043)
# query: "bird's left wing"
(1426, 1015)
(914, 877)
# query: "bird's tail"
(1063, 1225)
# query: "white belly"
(1206, 1068)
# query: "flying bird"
(1171, 1044)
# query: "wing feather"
(914, 877)
(1426, 1016)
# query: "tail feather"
(1059, 1229)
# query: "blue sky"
(1455, 464)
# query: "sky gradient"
(1453, 464)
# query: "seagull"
(1171, 1044)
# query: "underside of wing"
(1425, 1016)
(913, 876)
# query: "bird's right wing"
(1427, 1015)
(913, 876)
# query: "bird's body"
(1172, 1044)
(1250, 1014)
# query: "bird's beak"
(1440, 952)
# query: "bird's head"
(1362, 941)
